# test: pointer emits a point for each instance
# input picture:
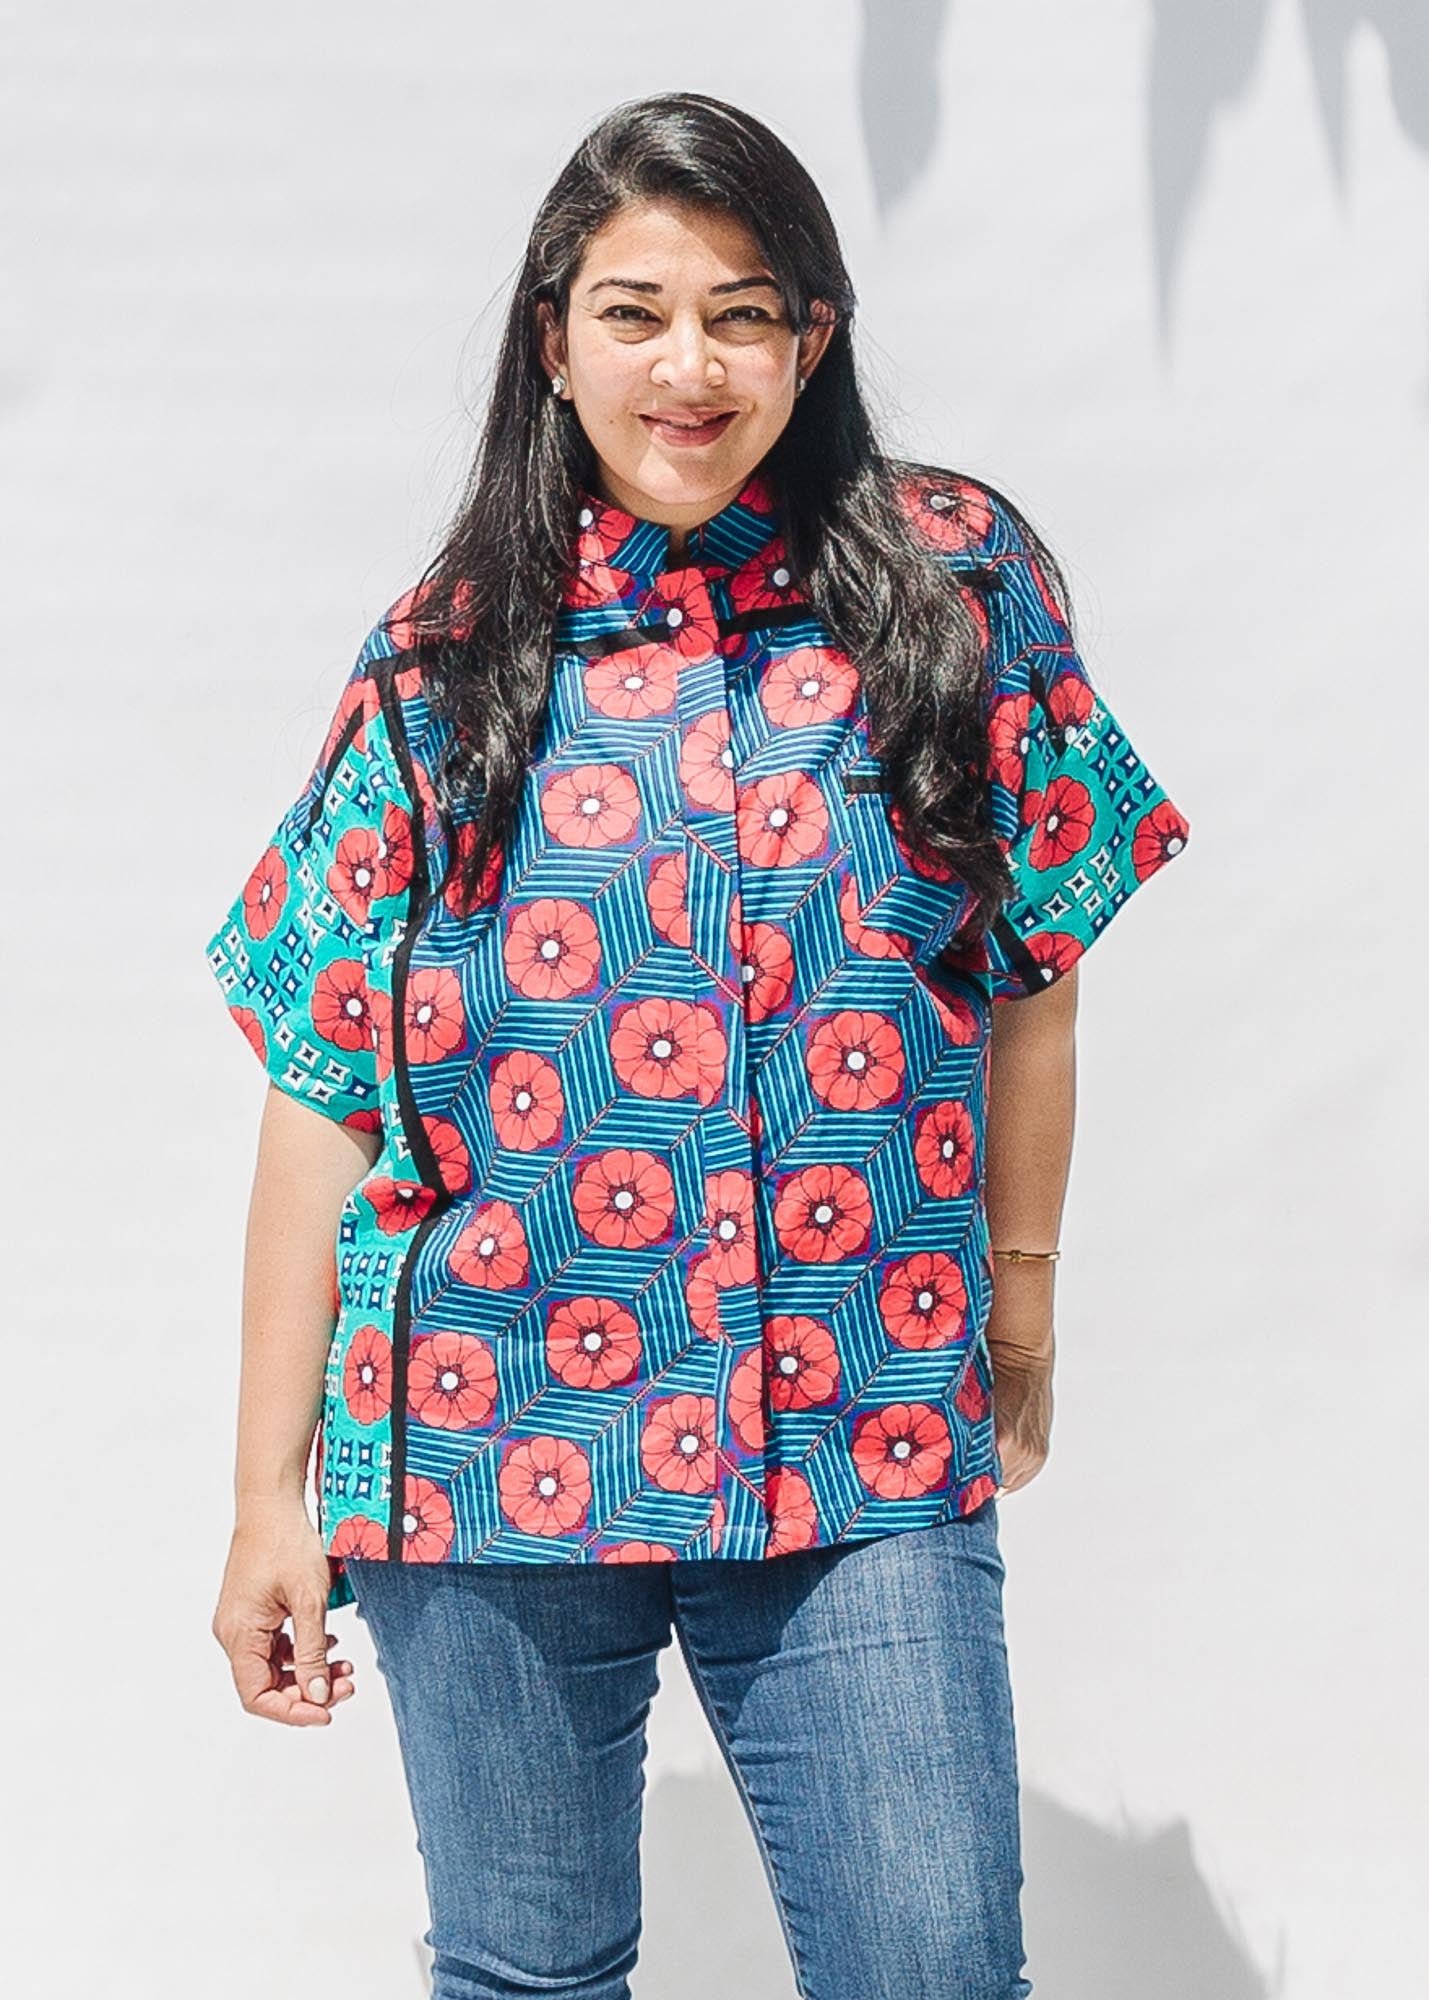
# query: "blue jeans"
(859, 1694)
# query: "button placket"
(723, 1138)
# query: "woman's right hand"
(277, 1568)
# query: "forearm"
(307, 1164)
(1030, 1122)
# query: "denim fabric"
(858, 1692)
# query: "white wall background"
(1161, 271)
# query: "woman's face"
(674, 318)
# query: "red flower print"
(265, 895)
(707, 763)
(428, 1524)
(823, 1213)
(1009, 739)
(397, 1205)
(972, 1400)
(793, 1516)
(636, 682)
(396, 853)
(684, 611)
(1069, 702)
(665, 898)
(451, 1381)
(595, 805)
(781, 820)
(491, 1250)
(339, 1006)
(1064, 817)
(544, 1485)
(552, 949)
(379, 1006)
(592, 1343)
(953, 514)
(923, 1301)
(717, 1523)
(677, 1445)
(407, 681)
(711, 1052)
(527, 1102)
(359, 1535)
(902, 1450)
(367, 1375)
(702, 1297)
(864, 938)
(744, 1402)
(653, 1047)
(355, 873)
(252, 1028)
(975, 1492)
(766, 970)
(802, 1362)
(635, 1552)
(487, 889)
(1158, 835)
(810, 685)
(453, 1159)
(765, 582)
(944, 1148)
(1055, 951)
(729, 1216)
(855, 1060)
(624, 1199)
(433, 1018)
(369, 1119)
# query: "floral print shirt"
(676, 1244)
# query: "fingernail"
(317, 1688)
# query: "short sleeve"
(289, 954)
(1082, 819)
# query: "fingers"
(310, 1644)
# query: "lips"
(689, 428)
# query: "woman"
(639, 936)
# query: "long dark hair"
(485, 608)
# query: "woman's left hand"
(1022, 1346)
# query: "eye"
(611, 311)
(757, 311)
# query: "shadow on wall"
(1107, 1914)
(1202, 57)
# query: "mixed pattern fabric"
(676, 1244)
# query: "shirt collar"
(616, 552)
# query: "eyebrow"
(649, 286)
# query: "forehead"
(671, 246)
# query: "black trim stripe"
(423, 1156)
(1028, 969)
(339, 751)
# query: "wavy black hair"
(484, 610)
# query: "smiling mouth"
(699, 431)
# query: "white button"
(781, 576)
(779, 816)
(585, 517)
(674, 616)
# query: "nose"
(688, 358)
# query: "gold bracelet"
(1017, 1256)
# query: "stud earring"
(803, 383)
(558, 383)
